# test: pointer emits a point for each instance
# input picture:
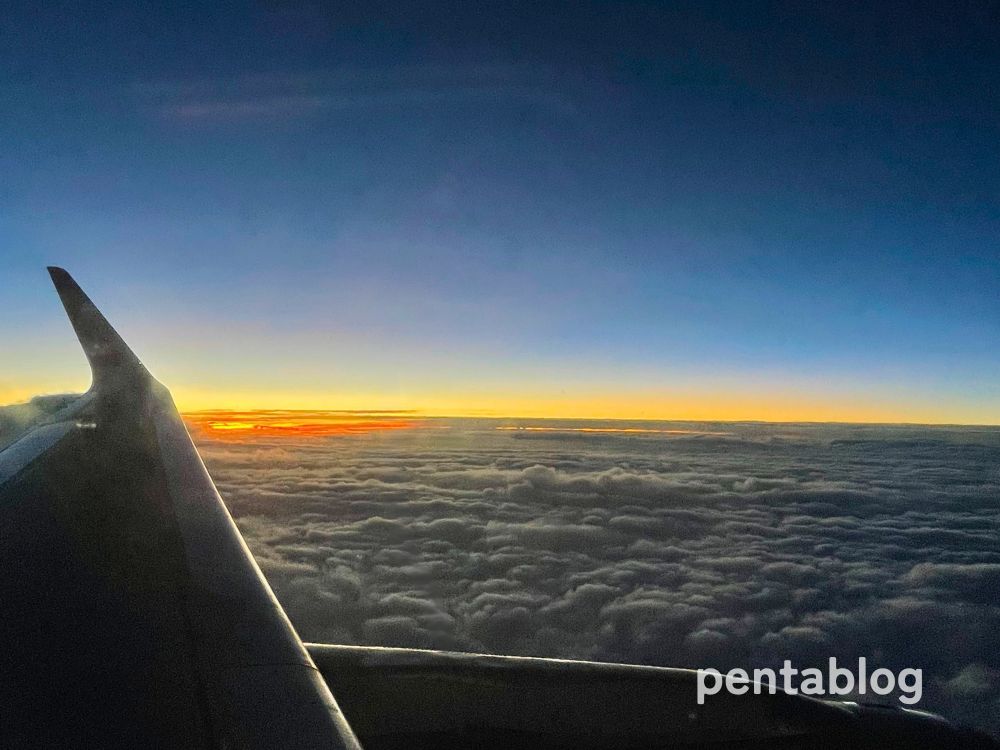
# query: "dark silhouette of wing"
(406, 698)
(134, 616)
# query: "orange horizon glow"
(371, 411)
(268, 423)
(688, 406)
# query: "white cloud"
(684, 550)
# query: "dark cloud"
(797, 542)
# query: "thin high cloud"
(687, 550)
(290, 96)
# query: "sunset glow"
(781, 401)
(244, 425)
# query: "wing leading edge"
(135, 615)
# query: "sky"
(704, 210)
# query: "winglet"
(112, 363)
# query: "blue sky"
(566, 204)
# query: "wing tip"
(110, 357)
(64, 283)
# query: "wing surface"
(133, 613)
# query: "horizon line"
(582, 417)
(418, 413)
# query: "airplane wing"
(401, 698)
(134, 616)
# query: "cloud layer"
(743, 548)
(17, 419)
